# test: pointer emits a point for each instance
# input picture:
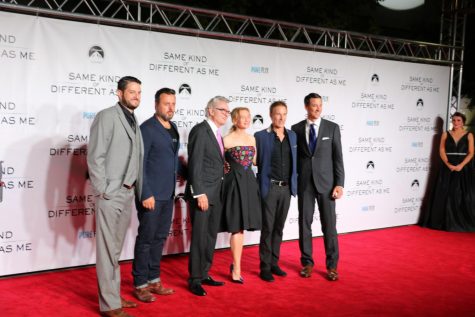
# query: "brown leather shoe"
(127, 303)
(306, 270)
(144, 295)
(332, 275)
(115, 313)
(157, 288)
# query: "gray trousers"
(112, 222)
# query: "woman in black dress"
(242, 201)
(453, 199)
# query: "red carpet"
(404, 271)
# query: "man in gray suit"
(115, 156)
(321, 176)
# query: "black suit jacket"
(325, 166)
(205, 164)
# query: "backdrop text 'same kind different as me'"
(56, 75)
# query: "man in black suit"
(204, 190)
(321, 176)
(155, 207)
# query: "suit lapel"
(321, 130)
(164, 131)
(213, 139)
(303, 137)
(124, 122)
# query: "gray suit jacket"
(110, 145)
(325, 165)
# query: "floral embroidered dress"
(242, 209)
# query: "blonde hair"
(235, 116)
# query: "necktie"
(312, 139)
(220, 141)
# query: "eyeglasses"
(223, 110)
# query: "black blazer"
(325, 166)
(160, 161)
(205, 164)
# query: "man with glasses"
(155, 207)
(204, 191)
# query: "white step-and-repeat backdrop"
(56, 75)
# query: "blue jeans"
(151, 236)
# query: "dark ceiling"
(366, 16)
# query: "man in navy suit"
(204, 191)
(277, 176)
(155, 206)
(321, 177)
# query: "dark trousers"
(326, 207)
(152, 233)
(205, 226)
(275, 208)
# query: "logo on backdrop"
(375, 79)
(415, 184)
(257, 121)
(420, 104)
(184, 90)
(260, 69)
(370, 166)
(96, 54)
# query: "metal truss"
(452, 32)
(163, 17)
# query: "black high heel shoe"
(240, 280)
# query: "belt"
(279, 183)
(129, 186)
(456, 153)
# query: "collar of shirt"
(307, 127)
(316, 122)
(127, 112)
(213, 126)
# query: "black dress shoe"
(276, 270)
(266, 276)
(210, 282)
(197, 289)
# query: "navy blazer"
(160, 160)
(265, 146)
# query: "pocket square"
(325, 138)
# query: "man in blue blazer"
(155, 206)
(277, 176)
(321, 178)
